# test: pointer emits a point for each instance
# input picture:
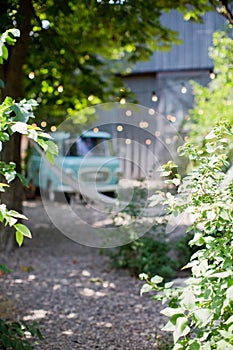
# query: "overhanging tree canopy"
(70, 50)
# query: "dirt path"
(79, 301)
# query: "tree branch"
(222, 7)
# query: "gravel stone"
(77, 298)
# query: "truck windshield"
(91, 146)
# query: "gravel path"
(79, 301)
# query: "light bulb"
(154, 97)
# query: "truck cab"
(85, 159)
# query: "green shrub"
(148, 253)
(13, 335)
(184, 250)
(145, 254)
(201, 312)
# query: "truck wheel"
(51, 192)
(71, 198)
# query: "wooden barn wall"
(149, 140)
(149, 136)
(193, 52)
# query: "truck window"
(93, 146)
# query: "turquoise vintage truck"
(85, 160)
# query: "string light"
(43, 124)
(122, 100)
(60, 88)
(212, 75)
(119, 128)
(183, 89)
(53, 128)
(143, 125)
(154, 97)
(31, 75)
(128, 113)
(171, 118)
(151, 111)
(96, 130)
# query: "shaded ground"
(79, 301)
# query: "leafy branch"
(14, 117)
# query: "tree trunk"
(12, 75)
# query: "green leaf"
(5, 269)
(229, 320)
(23, 230)
(44, 135)
(4, 52)
(221, 274)
(224, 345)
(50, 157)
(166, 173)
(195, 345)
(3, 184)
(32, 134)
(19, 114)
(14, 31)
(169, 311)
(169, 327)
(20, 127)
(229, 293)
(197, 239)
(176, 181)
(168, 285)
(10, 220)
(182, 328)
(3, 210)
(224, 215)
(16, 214)
(157, 279)
(19, 238)
(225, 334)
(146, 288)
(39, 335)
(23, 179)
(10, 176)
(203, 316)
(143, 276)
(23, 110)
(178, 347)
(52, 147)
(188, 299)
